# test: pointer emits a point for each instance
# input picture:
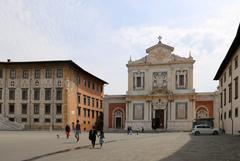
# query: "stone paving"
(45, 146)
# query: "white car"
(204, 129)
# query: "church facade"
(160, 93)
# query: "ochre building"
(49, 94)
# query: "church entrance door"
(118, 122)
(159, 119)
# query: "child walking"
(67, 131)
(101, 138)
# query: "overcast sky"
(100, 35)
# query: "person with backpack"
(92, 136)
(77, 130)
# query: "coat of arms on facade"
(159, 81)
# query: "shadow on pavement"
(208, 148)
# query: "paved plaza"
(45, 146)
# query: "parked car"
(204, 129)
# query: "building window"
(12, 73)
(79, 98)
(47, 109)
(181, 110)
(97, 104)
(221, 116)
(25, 74)
(58, 120)
(224, 76)
(47, 120)
(236, 112)
(93, 102)
(138, 80)
(138, 111)
(230, 114)
(236, 62)
(0, 108)
(89, 83)
(36, 120)
(79, 111)
(230, 92)
(97, 88)
(58, 109)
(230, 70)
(84, 99)
(37, 73)
(24, 108)
(225, 95)
(100, 103)
(93, 86)
(221, 101)
(236, 87)
(0, 93)
(36, 109)
(84, 112)
(225, 115)
(1, 73)
(92, 113)
(48, 94)
(84, 122)
(78, 80)
(11, 94)
(36, 93)
(59, 72)
(221, 82)
(24, 119)
(181, 79)
(11, 109)
(88, 112)
(48, 73)
(85, 83)
(88, 98)
(59, 94)
(24, 94)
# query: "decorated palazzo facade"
(160, 94)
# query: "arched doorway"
(202, 112)
(118, 119)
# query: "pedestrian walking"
(92, 136)
(77, 130)
(101, 138)
(67, 131)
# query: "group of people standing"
(92, 134)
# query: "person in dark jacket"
(77, 130)
(67, 131)
(92, 136)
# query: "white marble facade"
(160, 90)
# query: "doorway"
(159, 119)
(118, 122)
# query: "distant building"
(228, 76)
(49, 94)
(160, 95)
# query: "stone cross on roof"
(159, 38)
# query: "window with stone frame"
(11, 109)
(181, 79)
(221, 101)
(230, 114)
(58, 120)
(48, 73)
(59, 72)
(101, 103)
(93, 113)
(79, 111)
(47, 109)
(236, 87)
(36, 120)
(24, 108)
(225, 115)
(89, 83)
(138, 80)
(138, 111)
(24, 119)
(85, 112)
(11, 93)
(36, 108)
(24, 94)
(0, 108)
(236, 62)
(88, 113)
(1, 94)
(93, 102)
(97, 104)
(1, 73)
(225, 96)
(181, 110)
(59, 94)
(230, 92)
(25, 74)
(236, 112)
(224, 76)
(79, 98)
(47, 120)
(84, 99)
(230, 70)
(58, 109)
(36, 93)
(48, 94)
(37, 74)
(12, 73)
(89, 101)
